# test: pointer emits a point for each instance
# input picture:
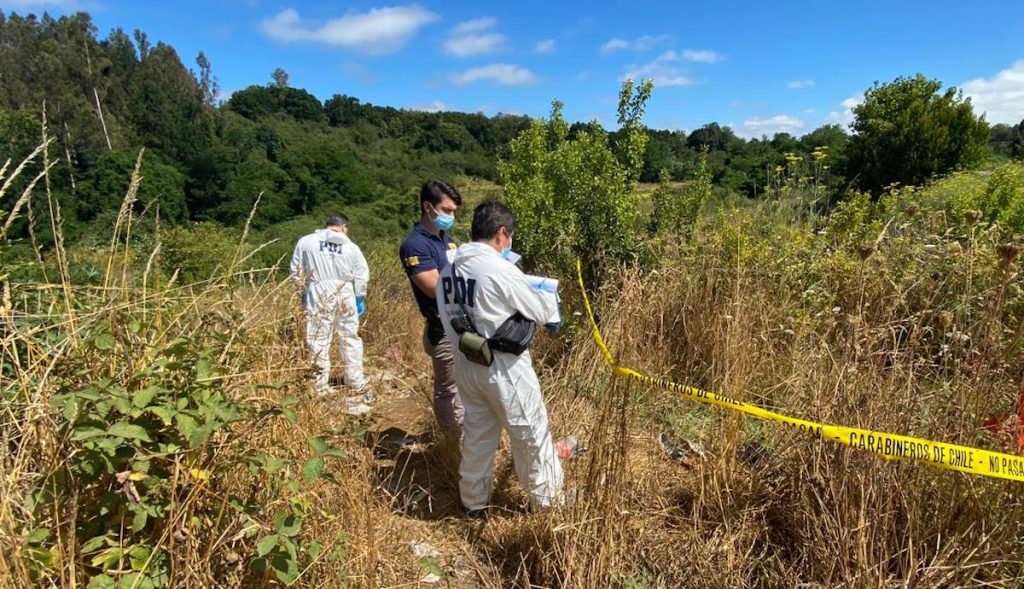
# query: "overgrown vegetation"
(159, 429)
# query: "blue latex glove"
(553, 328)
(360, 306)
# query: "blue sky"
(759, 67)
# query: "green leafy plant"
(675, 210)
(575, 197)
(137, 441)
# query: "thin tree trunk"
(99, 109)
(96, 95)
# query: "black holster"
(434, 331)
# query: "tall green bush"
(678, 209)
(576, 197)
(910, 130)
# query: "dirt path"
(418, 472)
(416, 475)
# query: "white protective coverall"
(507, 393)
(333, 272)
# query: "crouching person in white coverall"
(482, 284)
(333, 275)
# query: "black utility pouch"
(514, 336)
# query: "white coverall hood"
(505, 395)
(332, 236)
(333, 272)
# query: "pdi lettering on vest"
(459, 291)
(334, 248)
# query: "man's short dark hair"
(336, 220)
(488, 217)
(434, 191)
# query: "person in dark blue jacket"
(425, 252)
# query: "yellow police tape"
(888, 446)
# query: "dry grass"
(910, 339)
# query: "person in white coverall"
(333, 275)
(505, 395)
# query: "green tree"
(1017, 144)
(19, 134)
(166, 105)
(909, 131)
(59, 62)
(1000, 138)
(104, 182)
(257, 175)
(715, 137)
(676, 210)
(279, 78)
(256, 102)
(198, 252)
(343, 110)
(833, 141)
(575, 197)
(208, 85)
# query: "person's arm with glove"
(360, 283)
(524, 298)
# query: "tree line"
(207, 159)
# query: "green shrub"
(198, 252)
(678, 209)
(576, 197)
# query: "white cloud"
(642, 43)
(755, 127)
(474, 45)
(545, 46)
(800, 84)
(472, 37)
(475, 25)
(504, 74)
(432, 106)
(845, 117)
(662, 71)
(378, 31)
(1000, 97)
(702, 56)
(614, 45)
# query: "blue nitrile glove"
(360, 306)
(553, 328)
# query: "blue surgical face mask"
(508, 250)
(442, 221)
